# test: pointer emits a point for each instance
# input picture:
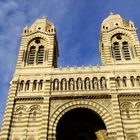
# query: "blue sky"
(78, 28)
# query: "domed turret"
(42, 25)
(39, 46)
(114, 21)
(118, 41)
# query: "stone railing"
(79, 84)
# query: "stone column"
(116, 110)
(45, 110)
(7, 121)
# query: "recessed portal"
(79, 124)
(82, 137)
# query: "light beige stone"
(42, 94)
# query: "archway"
(79, 124)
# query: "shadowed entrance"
(79, 124)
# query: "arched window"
(138, 80)
(31, 57)
(19, 115)
(103, 83)
(126, 52)
(118, 80)
(95, 83)
(132, 80)
(127, 112)
(116, 51)
(35, 85)
(71, 84)
(40, 55)
(56, 84)
(124, 81)
(87, 83)
(79, 84)
(126, 108)
(21, 85)
(33, 115)
(40, 85)
(27, 85)
(63, 84)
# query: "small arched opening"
(80, 124)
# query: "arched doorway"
(79, 124)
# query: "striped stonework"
(98, 108)
(43, 96)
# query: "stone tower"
(46, 102)
(119, 42)
(31, 83)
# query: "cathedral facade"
(47, 102)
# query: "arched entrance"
(79, 124)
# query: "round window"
(37, 41)
(119, 37)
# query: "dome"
(112, 17)
(114, 21)
(41, 24)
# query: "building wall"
(40, 94)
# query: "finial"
(111, 13)
(44, 17)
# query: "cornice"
(105, 96)
(29, 98)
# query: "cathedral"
(47, 102)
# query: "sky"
(78, 30)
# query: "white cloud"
(14, 15)
(67, 15)
(7, 6)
